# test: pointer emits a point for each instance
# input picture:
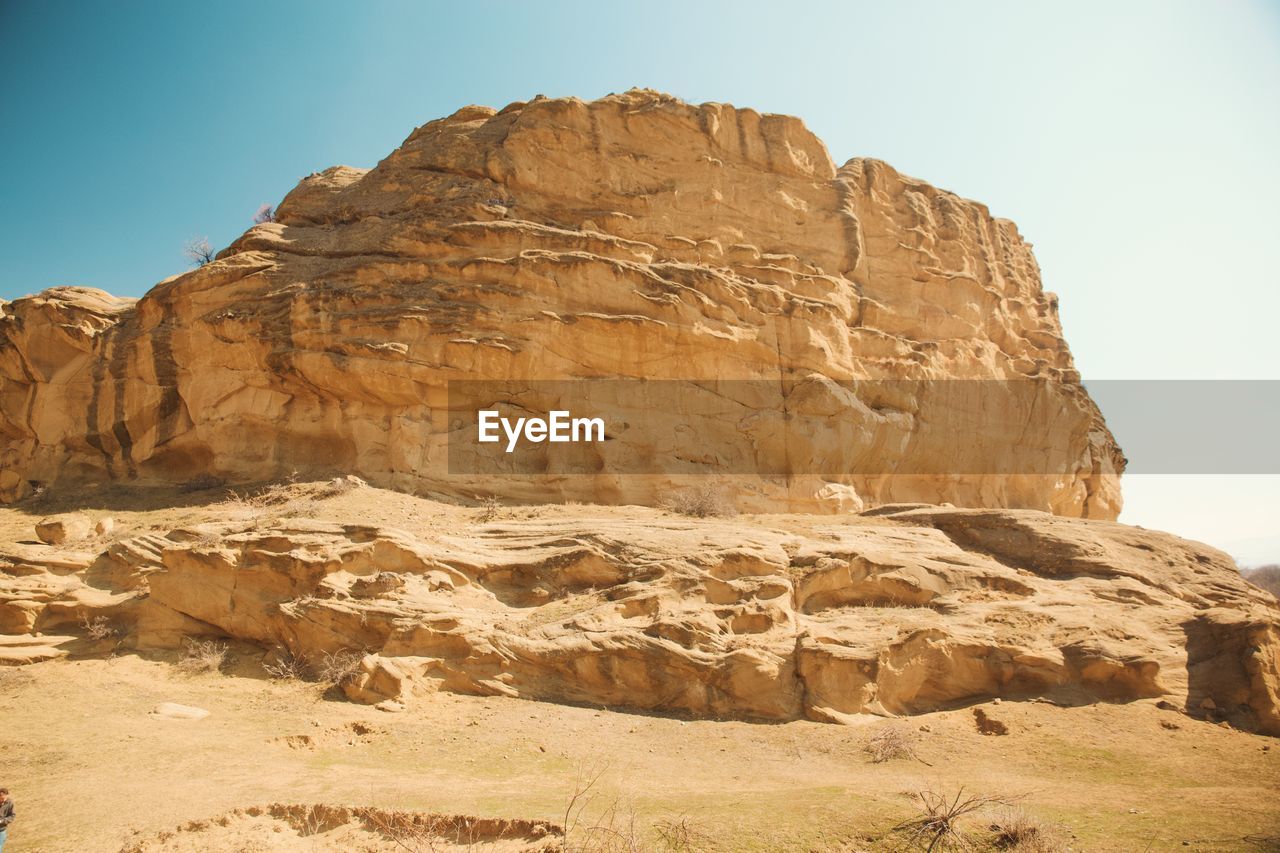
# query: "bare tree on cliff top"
(199, 251)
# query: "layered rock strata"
(772, 618)
(632, 237)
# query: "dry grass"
(743, 788)
(287, 666)
(200, 656)
(426, 833)
(339, 667)
(613, 827)
(681, 835)
(701, 501)
(891, 742)
(274, 495)
(412, 833)
(594, 823)
(274, 502)
(1017, 830)
(939, 826)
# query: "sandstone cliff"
(631, 237)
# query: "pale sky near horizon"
(1134, 144)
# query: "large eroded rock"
(775, 617)
(631, 237)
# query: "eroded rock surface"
(324, 828)
(635, 236)
(772, 617)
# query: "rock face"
(631, 237)
(773, 617)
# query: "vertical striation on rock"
(632, 237)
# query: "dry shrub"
(702, 501)
(889, 743)
(681, 836)
(413, 833)
(613, 828)
(202, 656)
(339, 667)
(98, 628)
(287, 666)
(489, 508)
(275, 494)
(1017, 830)
(199, 252)
(939, 824)
(596, 824)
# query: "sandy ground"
(90, 767)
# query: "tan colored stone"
(63, 528)
(635, 236)
(758, 617)
(22, 649)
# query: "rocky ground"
(367, 659)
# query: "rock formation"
(904, 611)
(633, 237)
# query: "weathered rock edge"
(769, 619)
(635, 236)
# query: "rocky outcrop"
(777, 618)
(633, 237)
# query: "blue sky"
(1133, 143)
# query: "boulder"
(63, 528)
